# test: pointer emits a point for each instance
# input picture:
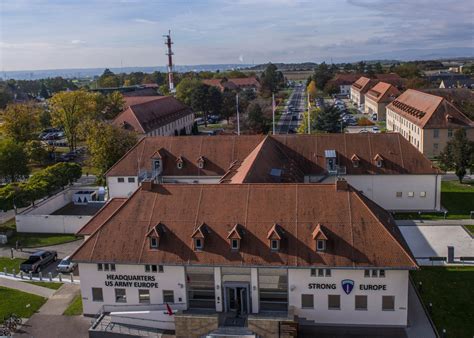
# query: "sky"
(56, 34)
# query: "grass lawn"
(10, 264)
(32, 240)
(470, 228)
(8, 225)
(75, 308)
(49, 285)
(457, 198)
(21, 303)
(450, 291)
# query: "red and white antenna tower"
(170, 53)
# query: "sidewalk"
(435, 223)
(60, 300)
(418, 323)
(27, 287)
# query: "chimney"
(147, 185)
(341, 185)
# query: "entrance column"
(218, 288)
(254, 289)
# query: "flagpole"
(273, 112)
(238, 115)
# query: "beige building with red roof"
(155, 116)
(427, 121)
(377, 98)
(245, 83)
(360, 88)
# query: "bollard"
(31, 275)
(444, 333)
(430, 308)
(60, 276)
(72, 278)
(420, 286)
(50, 276)
(21, 274)
(5, 271)
(13, 272)
(40, 275)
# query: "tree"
(37, 153)
(303, 127)
(185, 89)
(312, 90)
(44, 91)
(206, 99)
(348, 67)
(322, 74)
(229, 105)
(107, 144)
(256, 120)
(114, 104)
(328, 120)
(271, 79)
(13, 161)
(369, 71)
(21, 121)
(378, 68)
(69, 110)
(407, 70)
(458, 155)
(108, 79)
(360, 67)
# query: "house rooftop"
(383, 92)
(358, 232)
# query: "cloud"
(145, 21)
(77, 42)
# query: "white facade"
(345, 89)
(375, 284)
(174, 127)
(356, 97)
(397, 192)
(407, 129)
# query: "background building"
(360, 88)
(377, 98)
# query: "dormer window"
(200, 162)
(179, 163)
(320, 237)
(198, 244)
(153, 243)
(275, 235)
(378, 161)
(235, 236)
(154, 236)
(198, 237)
(355, 161)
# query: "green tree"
(360, 67)
(6, 95)
(206, 99)
(407, 70)
(185, 89)
(328, 120)
(107, 144)
(114, 105)
(369, 71)
(37, 153)
(303, 127)
(348, 67)
(257, 122)
(70, 109)
(44, 91)
(229, 105)
(13, 160)
(378, 68)
(108, 79)
(271, 79)
(458, 155)
(21, 121)
(322, 74)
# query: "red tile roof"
(359, 232)
(145, 113)
(429, 111)
(382, 92)
(344, 79)
(393, 78)
(363, 84)
(102, 215)
(233, 84)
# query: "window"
(382, 273)
(168, 296)
(275, 244)
(97, 295)
(234, 244)
(320, 272)
(366, 273)
(321, 245)
(374, 273)
(147, 268)
(361, 302)
(435, 133)
(313, 272)
(411, 194)
(120, 296)
(198, 245)
(179, 165)
(450, 133)
(154, 268)
(154, 243)
(112, 267)
(144, 296)
(334, 302)
(328, 272)
(160, 268)
(422, 193)
(106, 267)
(388, 303)
(379, 164)
(120, 179)
(399, 194)
(99, 267)
(131, 180)
(307, 301)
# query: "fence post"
(21, 274)
(50, 276)
(31, 275)
(72, 278)
(13, 272)
(5, 271)
(40, 275)
(60, 276)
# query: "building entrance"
(237, 298)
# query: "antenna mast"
(168, 43)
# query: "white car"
(376, 129)
(66, 265)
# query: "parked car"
(37, 261)
(66, 265)
(199, 121)
(376, 129)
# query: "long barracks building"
(256, 255)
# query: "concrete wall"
(52, 224)
(372, 107)
(195, 326)
(172, 278)
(121, 189)
(396, 282)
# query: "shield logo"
(347, 285)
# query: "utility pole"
(238, 115)
(273, 111)
(170, 53)
(309, 115)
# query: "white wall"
(396, 282)
(172, 278)
(52, 224)
(124, 189)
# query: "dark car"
(37, 261)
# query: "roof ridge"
(351, 225)
(148, 228)
(126, 154)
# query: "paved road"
(289, 120)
